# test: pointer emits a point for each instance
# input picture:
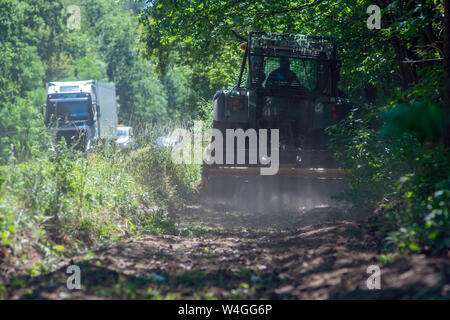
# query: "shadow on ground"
(318, 254)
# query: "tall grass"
(57, 204)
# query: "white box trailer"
(82, 108)
(106, 100)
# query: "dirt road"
(317, 254)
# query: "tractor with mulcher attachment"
(288, 89)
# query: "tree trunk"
(446, 84)
(408, 74)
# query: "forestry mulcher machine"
(291, 85)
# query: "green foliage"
(424, 119)
(404, 54)
(21, 128)
(424, 219)
(64, 203)
(393, 162)
(202, 36)
(172, 184)
(375, 164)
(39, 47)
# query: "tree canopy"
(401, 55)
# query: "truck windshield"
(122, 132)
(71, 110)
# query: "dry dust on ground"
(316, 254)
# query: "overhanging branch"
(238, 36)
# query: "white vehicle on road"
(124, 137)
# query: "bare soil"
(321, 253)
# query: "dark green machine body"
(301, 110)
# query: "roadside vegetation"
(59, 204)
(55, 203)
(397, 174)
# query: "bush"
(394, 163)
(64, 203)
(376, 164)
(424, 220)
(173, 184)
